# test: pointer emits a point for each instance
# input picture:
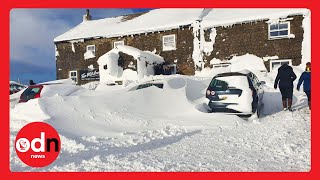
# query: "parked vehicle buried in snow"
(238, 93)
(48, 90)
(31, 92)
(15, 87)
(157, 84)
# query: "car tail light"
(37, 96)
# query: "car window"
(35, 90)
(254, 79)
(30, 93)
(141, 86)
(158, 85)
(218, 85)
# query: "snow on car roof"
(239, 73)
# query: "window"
(115, 44)
(73, 76)
(91, 48)
(222, 65)
(218, 85)
(169, 69)
(169, 42)
(275, 64)
(279, 30)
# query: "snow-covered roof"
(16, 83)
(171, 18)
(225, 17)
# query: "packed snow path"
(277, 143)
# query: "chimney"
(87, 17)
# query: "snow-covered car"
(147, 84)
(15, 87)
(236, 93)
(48, 90)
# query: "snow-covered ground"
(152, 129)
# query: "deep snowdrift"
(152, 129)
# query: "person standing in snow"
(31, 82)
(306, 79)
(285, 78)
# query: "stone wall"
(252, 38)
(237, 39)
(69, 60)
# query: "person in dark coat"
(285, 78)
(305, 78)
(31, 83)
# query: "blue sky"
(32, 52)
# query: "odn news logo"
(37, 144)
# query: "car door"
(258, 86)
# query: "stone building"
(187, 39)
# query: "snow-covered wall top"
(226, 17)
(165, 19)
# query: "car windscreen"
(30, 93)
(150, 84)
(218, 85)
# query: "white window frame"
(277, 30)
(116, 43)
(76, 76)
(279, 60)
(169, 48)
(93, 51)
(221, 65)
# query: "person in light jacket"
(305, 78)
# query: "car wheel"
(256, 114)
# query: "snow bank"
(88, 55)
(91, 85)
(237, 63)
(14, 98)
(59, 90)
(247, 61)
(156, 129)
(111, 113)
(31, 111)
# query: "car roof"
(155, 81)
(41, 84)
(230, 74)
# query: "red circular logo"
(37, 144)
